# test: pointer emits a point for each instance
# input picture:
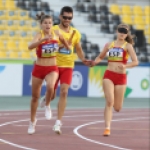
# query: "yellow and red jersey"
(118, 54)
(65, 58)
(47, 49)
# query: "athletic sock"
(58, 122)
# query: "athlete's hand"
(93, 63)
(69, 43)
(121, 66)
(47, 37)
(87, 62)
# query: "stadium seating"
(136, 16)
(115, 9)
(3, 54)
(17, 20)
(18, 25)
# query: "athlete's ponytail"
(41, 17)
(129, 37)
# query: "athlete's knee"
(110, 103)
(35, 98)
(50, 87)
(64, 92)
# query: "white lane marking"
(13, 122)
(68, 111)
(21, 114)
(13, 144)
(100, 143)
(16, 145)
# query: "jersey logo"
(65, 51)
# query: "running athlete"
(114, 80)
(46, 44)
(65, 62)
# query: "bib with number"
(117, 54)
(47, 49)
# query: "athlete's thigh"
(36, 86)
(65, 76)
(108, 88)
(51, 78)
(119, 91)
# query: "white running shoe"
(42, 102)
(57, 128)
(31, 128)
(48, 113)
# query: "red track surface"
(130, 131)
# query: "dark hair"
(129, 37)
(42, 17)
(67, 9)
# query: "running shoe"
(57, 128)
(48, 113)
(31, 128)
(106, 132)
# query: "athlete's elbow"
(136, 63)
(30, 47)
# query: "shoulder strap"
(42, 33)
(124, 45)
(111, 45)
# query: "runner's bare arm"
(79, 51)
(101, 56)
(61, 38)
(81, 55)
(37, 40)
(132, 55)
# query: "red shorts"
(116, 78)
(42, 71)
(65, 76)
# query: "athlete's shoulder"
(109, 44)
(38, 34)
(77, 31)
(128, 45)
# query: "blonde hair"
(129, 37)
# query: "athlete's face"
(66, 18)
(122, 33)
(46, 24)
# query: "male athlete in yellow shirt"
(65, 62)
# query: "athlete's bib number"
(49, 49)
(116, 53)
(65, 51)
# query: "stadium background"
(97, 21)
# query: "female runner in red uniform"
(46, 44)
(114, 80)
